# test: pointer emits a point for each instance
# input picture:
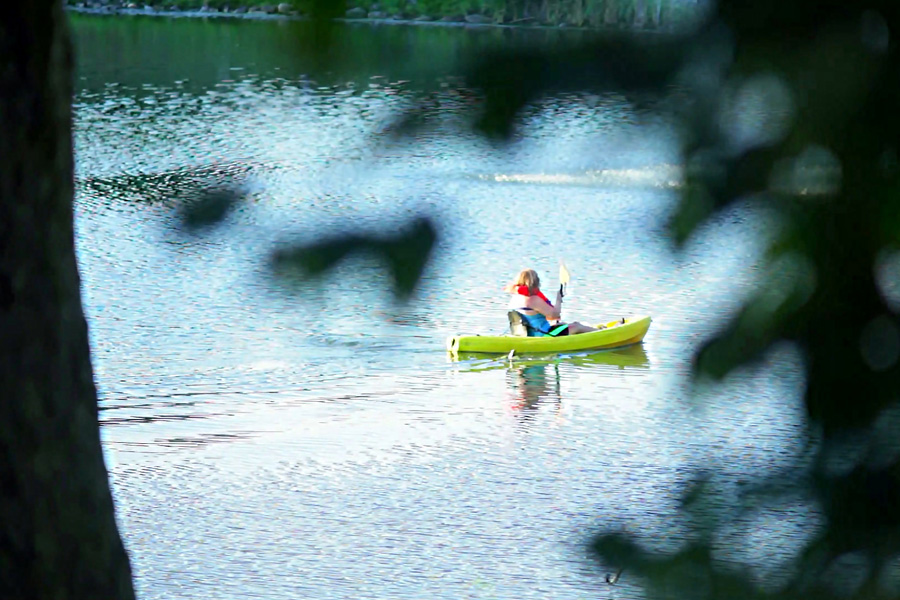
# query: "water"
(313, 440)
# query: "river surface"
(312, 439)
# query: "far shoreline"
(246, 13)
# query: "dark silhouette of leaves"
(512, 79)
(405, 254)
(210, 207)
(203, 196)
(818, 79)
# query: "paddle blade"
(563, 273)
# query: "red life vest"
(522, 290)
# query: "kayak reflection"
(534, 381)
(531, 386)
(628, 357)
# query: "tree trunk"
(58, 535)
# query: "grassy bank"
(632, 14)
(578, 13)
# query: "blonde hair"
(529, 278)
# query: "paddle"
(563, 278)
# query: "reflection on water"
(534, 385)
(317, 442)
(534, 380)
(629, 356)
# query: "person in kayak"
(541, 315)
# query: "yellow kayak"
(615, 335)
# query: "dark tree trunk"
(58, 535)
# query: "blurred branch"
(203, 196)
(512, 79)
(405, 253)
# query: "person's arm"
(536, 304)
(558, 305)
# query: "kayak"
(615, 335)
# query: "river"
(312, 439)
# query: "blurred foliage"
(211, 207)
(791, 107)
(405, 254)
(201, 196)
(514, 79)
